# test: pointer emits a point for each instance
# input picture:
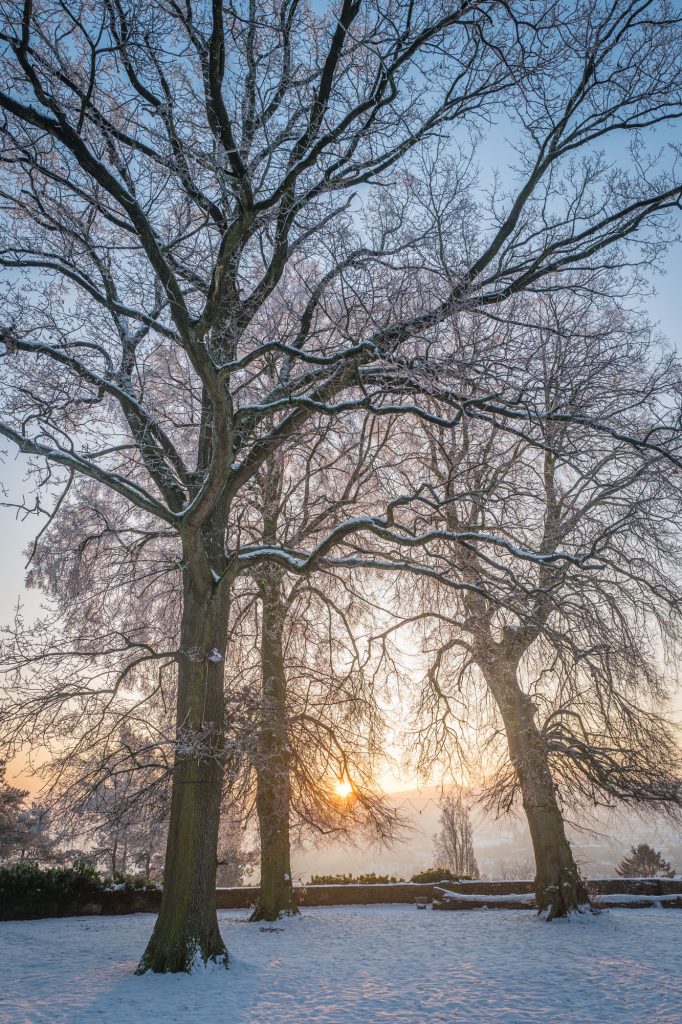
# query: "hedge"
(27, 890)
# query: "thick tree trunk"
(273, 770)
(276, 888)
(559, 889)
(186, 932)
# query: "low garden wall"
(108, 902)
(119, 901)
(333, 895)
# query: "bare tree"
(570, 548)
(513, 871)
(25, 827)
(319, 727)
(290, 637)
(319, 719)
(173, 174)
(114, 802)
(454, 843)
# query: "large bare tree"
(319, 720)
(570, 547)
(301, 712)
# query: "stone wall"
(243, 897)
(331, 895)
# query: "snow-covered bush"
(435, 875)
(26, 888)
(130, 883)
(370, 879)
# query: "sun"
(343, 788)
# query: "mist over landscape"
(499, 845)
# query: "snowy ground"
(356, 965)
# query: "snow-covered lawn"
(356, 965)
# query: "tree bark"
(273, 769)
(559, 889)
(186, 932)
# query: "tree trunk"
(186, 931)
(559, 889)
(273, 770)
